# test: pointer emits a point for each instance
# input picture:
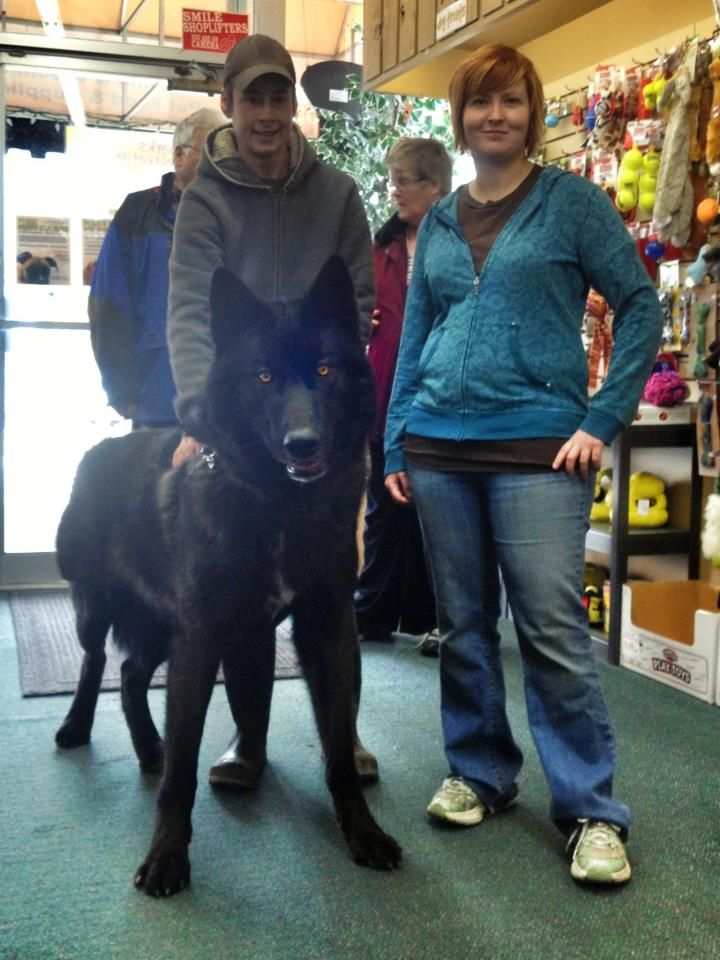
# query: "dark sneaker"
(429, 645)
(598, 853)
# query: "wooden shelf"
(402, 56)
(619, 542)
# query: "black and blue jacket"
(127, 306)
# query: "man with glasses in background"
(127, 306)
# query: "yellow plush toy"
(600, 510)
(648, 503)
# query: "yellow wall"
(621, 32)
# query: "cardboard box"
(670, 633)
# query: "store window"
(62, 184)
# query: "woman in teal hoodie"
(491, 433)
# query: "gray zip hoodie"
(275, 240)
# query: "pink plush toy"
(665, 387)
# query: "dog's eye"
(323, 369)
(264, 376)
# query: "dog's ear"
(332, 294)
(232, 307)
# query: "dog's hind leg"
(135, 681)
(249, 670)
(145, 637)
(191, 676)
(325, 639)
(92, 622)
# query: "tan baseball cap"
(254, 57)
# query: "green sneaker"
(598, 853)
(456, 802)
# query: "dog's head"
(290, 383)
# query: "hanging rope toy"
(601, 346)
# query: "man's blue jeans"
(531, 526)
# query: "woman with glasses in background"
(394, 592)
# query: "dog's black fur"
(204, 560)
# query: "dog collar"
(209, 457)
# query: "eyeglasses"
(189, 146)
(402, 183)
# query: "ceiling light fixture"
(53, 27)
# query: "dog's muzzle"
(305, 462)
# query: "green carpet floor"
(272, 880)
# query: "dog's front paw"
(72, 734)
(163, 874)
(373, 848)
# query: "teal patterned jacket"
(499, 355)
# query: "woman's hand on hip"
(398, 486)
(580, 454)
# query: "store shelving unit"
(619, 542)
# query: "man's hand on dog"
(187, 448)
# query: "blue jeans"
(532, 527)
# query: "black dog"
(208, 558)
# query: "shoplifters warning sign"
(212, 30)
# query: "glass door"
(61, 185)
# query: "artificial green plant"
(360, 148)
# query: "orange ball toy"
(707, 210)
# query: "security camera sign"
(212, 31)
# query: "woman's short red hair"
(490, 69)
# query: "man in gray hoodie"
(263, 205)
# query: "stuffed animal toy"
(600, 510)
(693, 114)
(706, 262)
(712, 144)
(593, 603)
(710, 539)
(674, 199)
(608, 123)
(647, 501)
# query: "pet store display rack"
(619, 542)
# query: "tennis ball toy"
(651, 162)
(627, 178)
(633, 159)
(646, 202)
(647, 184)
(625, 199)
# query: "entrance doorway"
(61, 185)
